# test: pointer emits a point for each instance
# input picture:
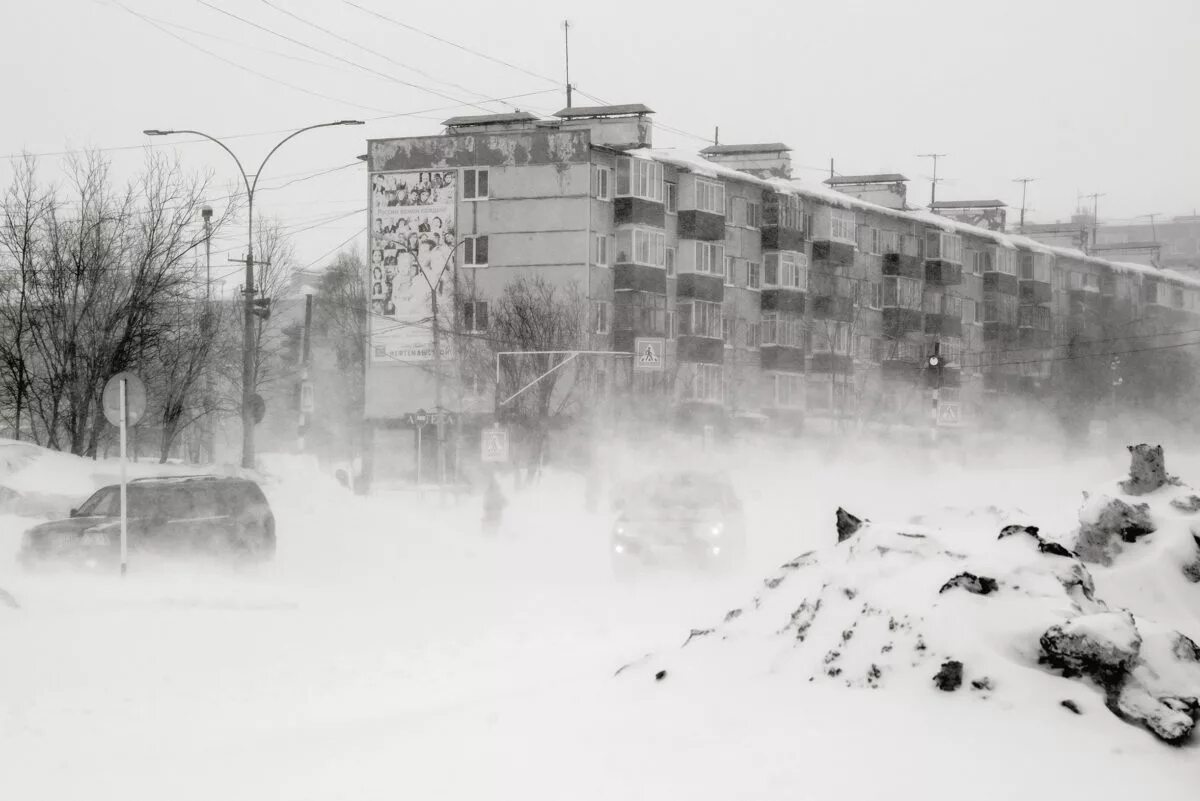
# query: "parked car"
(176, 516)
(684, 518)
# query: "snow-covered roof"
(697, 164)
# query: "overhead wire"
(336, 57)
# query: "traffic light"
(262, 308)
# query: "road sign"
(493, 444)
(135, 399)
(648, 354)
(306, 397)
(421, 417)
(949, 413)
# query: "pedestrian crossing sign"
(648, 354)
(949, 414)
(493, 445)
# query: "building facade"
(780, 301)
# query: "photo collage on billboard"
(412, 254)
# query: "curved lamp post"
(248, 421)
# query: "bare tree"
(535, 316)
(25, 208)
(340, 323)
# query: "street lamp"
(248, 421)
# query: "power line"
(336, 247)
(464, 48)
(336, 57)
(383, 56)
(242, 67)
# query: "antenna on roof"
(1024, 182)
(934, 181)
(567, 51)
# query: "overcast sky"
(1085, 96)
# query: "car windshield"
(678, 490)
(105, 503)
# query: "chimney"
(765, 160)
(623, 127)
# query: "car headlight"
(716, 529)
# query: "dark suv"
(686, 518)
(167, 516)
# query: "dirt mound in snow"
(922, 609)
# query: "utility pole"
(716, 134)
(1095, 196)
(209, 433)
(831, 168)
(248, 339)
(1024, 182)
(567, 50)
(934, 181)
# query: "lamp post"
(248, 421)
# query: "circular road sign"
(135, 399)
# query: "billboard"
(412, 256)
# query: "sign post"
(493, 444)
(124, 405)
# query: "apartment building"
(778, 300)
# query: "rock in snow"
(876, 611)
(1147, 470)
(8, 600)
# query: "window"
(727, 331)
(670, 258)
(640, 178)
(602, 182)
(968, 312)
(943, 246)
(868, 239)
(1037, 317)
(700, 318)
(786, 211)
(786, 268)
(671, 193)
(841, 225)
(753, 275)
(475, 184)
(600, 249)
(475, 250)
(1000, 260)
(788, 390)
(818, 394)
(730, 270)
(831, 338)
(1035, 267)
(782, 328)
(672, 328)
(710, 196)
(599, 316)
(999, 308)
(876, 350)
(902, 293)
(753, 214)
(875, 295)
(642, 246)
(705, 384)
(888, 241)
(753, 334)
(973, 262)
(475, 316)
(644, 312)
(709, 258)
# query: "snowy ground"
(391, 652)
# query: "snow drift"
(922, 608)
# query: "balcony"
(639, 211)
(832, 307)
(949, 377)
(897, 322)
(640, 278)
(943, 273)
(703, 225)
(1086, 300)
(832, 253)
(700, 286)
(1036, 293)
(782, 300)
(1035, 338)
(947, 325)
(702, 350)
(1002, 283)
(826, 362)
(775, 237)
(899, 369)
(999, 333)
(904, 265)
(781, 358)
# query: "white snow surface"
(391, 651)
